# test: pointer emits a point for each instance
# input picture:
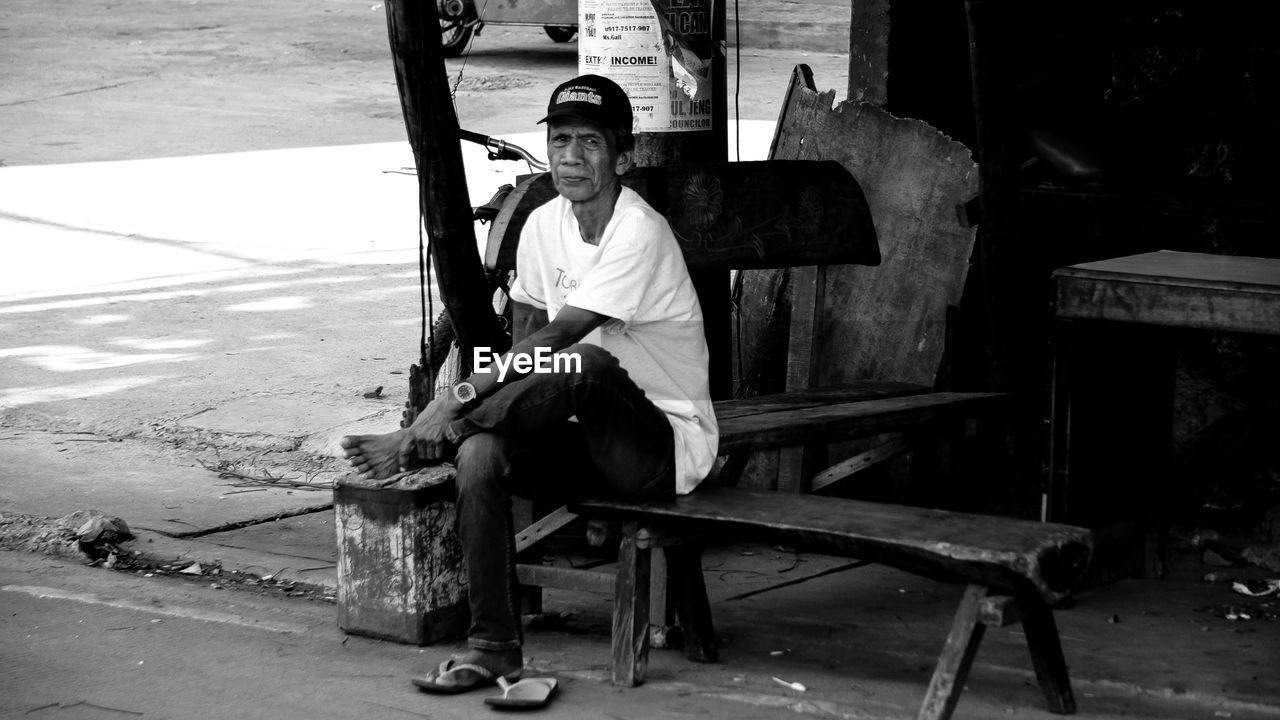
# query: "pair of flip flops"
(453, 677)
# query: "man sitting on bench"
(630, 366)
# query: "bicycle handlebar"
(501, 149)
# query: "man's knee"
(481, 462)
(591, 360)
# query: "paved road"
(79, 642)
(106, 80)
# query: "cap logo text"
(586, 96)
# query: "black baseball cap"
(593, 98)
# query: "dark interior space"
(1104, 130)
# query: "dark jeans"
(518, 441)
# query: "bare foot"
(374, 456)
(507, 663)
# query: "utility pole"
(413, 29)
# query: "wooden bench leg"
(1046, 657)
(688, 594)
(662, 630)
(631, 611)
(957, 657)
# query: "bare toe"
(375, 456)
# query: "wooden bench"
(1015, 570)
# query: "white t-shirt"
(636, 275)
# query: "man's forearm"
(521, 360)
(571, 325)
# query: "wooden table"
(1111, 409)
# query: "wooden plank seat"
(763, 422)
(1015, 570)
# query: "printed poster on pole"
(659, 51)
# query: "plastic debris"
(779, 653)
(1256, 588)
(798, 687)
(192, 569)
(94, 533)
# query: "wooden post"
(631, 611)
(413, 29)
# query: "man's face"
(585, 162)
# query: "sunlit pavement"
(253, 235)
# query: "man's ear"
(624, 162)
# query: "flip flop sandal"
(453, 677)
(527, 694)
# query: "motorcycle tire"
(560, 33)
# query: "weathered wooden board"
(869, 51)
(862, 390)
(1019, 556)
(731, 215)
(887, 322)
(400, 572)
(832, 423)
(761, 371)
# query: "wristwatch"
(465, 393)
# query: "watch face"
(465, 392)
